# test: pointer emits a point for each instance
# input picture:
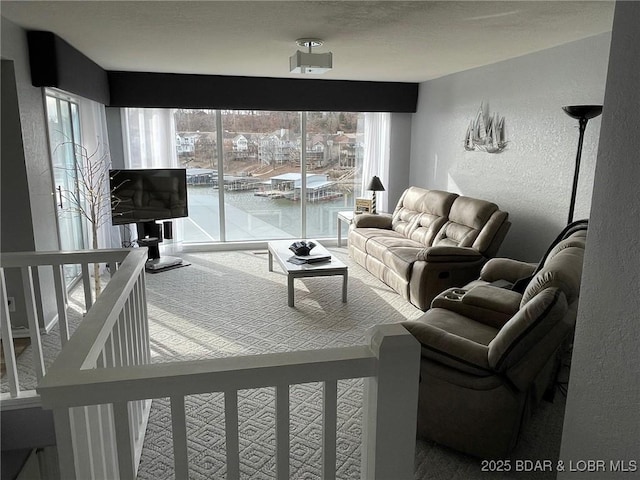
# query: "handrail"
(113, 334)
(101, 386)
(88, 340)
(63, 388)
(22, 259)
(389, 364)
(27, 263)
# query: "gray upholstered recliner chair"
(489, 353)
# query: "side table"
(344, 217)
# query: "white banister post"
(86, 283)
(145, 319)
(391, 405)
(124, 441)
(61, 302)
(282, 432)
(329, 428)
(64, 443)
(231, 430)
(179, 434)
(32, 319)
(7, 340)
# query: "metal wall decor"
(486, 133)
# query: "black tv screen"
(147, 194)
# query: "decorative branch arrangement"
(486, 133)
(91, 196)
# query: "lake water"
(252, 218)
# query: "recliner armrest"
(490, 305)
(447, 347)
(448, 254)
(506, 269)
(540, 326)
(372, 220)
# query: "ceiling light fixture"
(308, 62)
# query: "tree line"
(256, 121)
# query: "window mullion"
(220, 153)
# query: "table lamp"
(375, 185)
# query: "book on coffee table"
(302, 259)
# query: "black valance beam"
(55, 63)
(166, 90)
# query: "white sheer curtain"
(93, 125)
(149, 139)
(377, 128)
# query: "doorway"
(63, 121)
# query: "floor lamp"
(583, 113)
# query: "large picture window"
(245, 169)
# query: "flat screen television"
(147, 195)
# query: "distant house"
(240, 147)
(186, 143)
(240, 143)
(350, 149)
(277, 148)
(315, 151)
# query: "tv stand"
(165, 263)
(155, 263)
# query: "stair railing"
(101, 385)
(26, 269)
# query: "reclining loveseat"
(433, 240)
(489, 352)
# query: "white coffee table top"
(280, 250)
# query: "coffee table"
(280, 251)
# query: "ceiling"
(405, 41)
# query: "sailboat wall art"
(486, 133)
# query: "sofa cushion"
(492, 234)
(360, 237)
(400, 259)
(453, 340)
(466, 218)
(420, 213)
(390, 248)
(576, 240)
(527, 327)
(564, 270)
(425, 227)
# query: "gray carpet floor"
(227, 304)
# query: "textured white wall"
(37, 165)
(602, 419)
(34, 137)
(399, 158)
(532, 178)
